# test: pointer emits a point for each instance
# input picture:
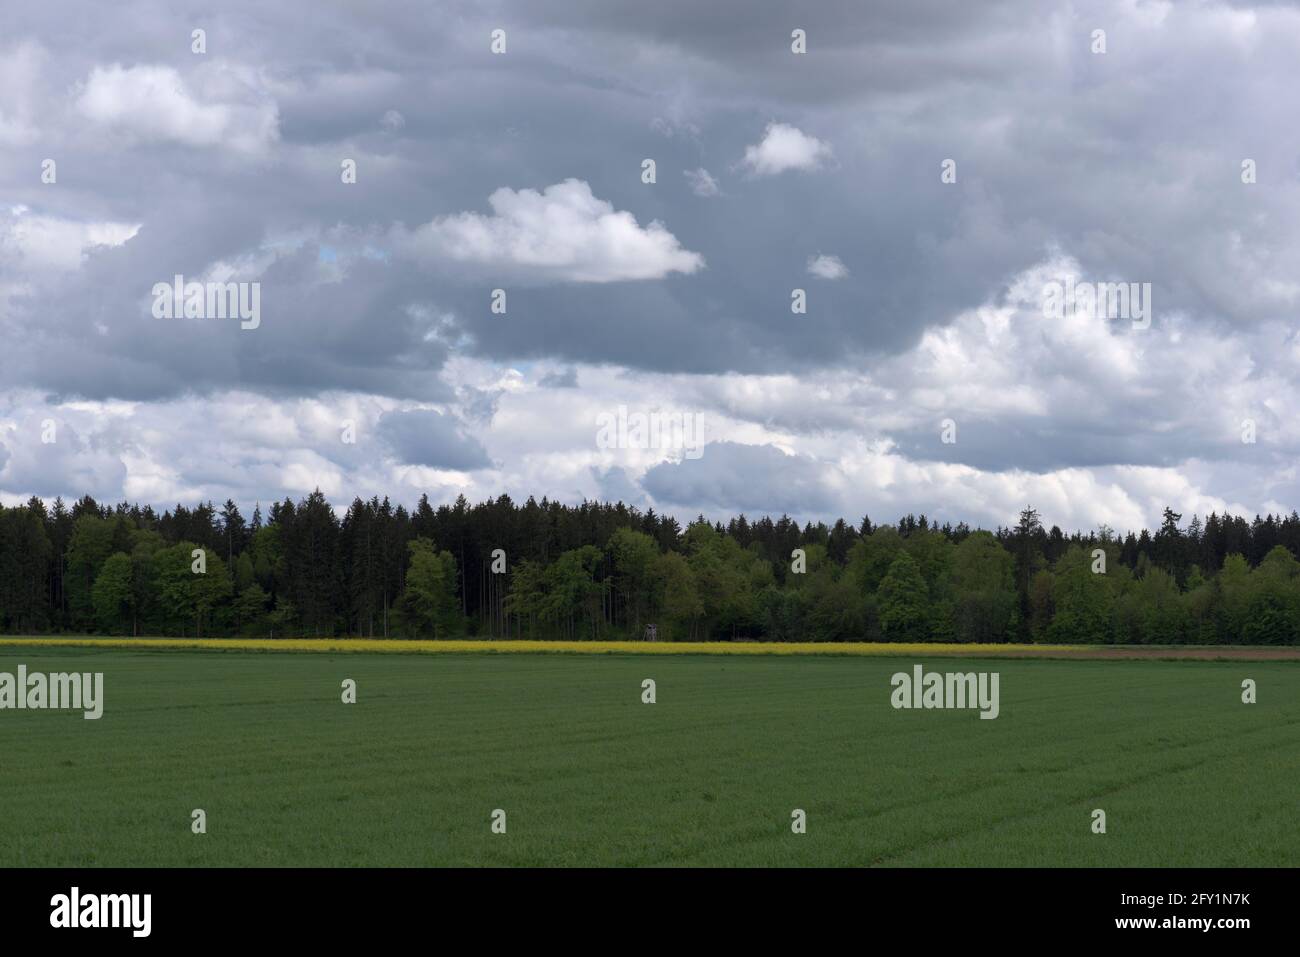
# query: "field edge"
(514, 647)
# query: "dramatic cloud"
(523, 172)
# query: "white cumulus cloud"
(562, 233)
(785, 147)
(223, 106)
(827, 267)
(50, 242)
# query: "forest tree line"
(606, 571)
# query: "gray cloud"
(565, 379)
(729, 476)
(1126, 164)
(426, 437)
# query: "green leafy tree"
(1083, 600)
(244, 573)
(933, 554)
(146, 544)
(634, 556)
(904, 602)
(1237, 593)
(1200, 599)
(838, 611)
(729, 579)
(1041, 588)
(268, 558)
(871, 556)
(573, 594)
(1274, 616)
(250, 609)
(283, 618)
(428, 604)
(114, 594)
(678, 596)
(784, 612)
(984, 602)
(88, 549)
(188, 595)
(1163, 613)
(527, 597)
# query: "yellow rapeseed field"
(542, 647)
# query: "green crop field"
(589, 775)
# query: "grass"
(588, 775)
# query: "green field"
(588, 775)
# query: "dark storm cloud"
(425, 437)
(1009, 90)
(1044, 446)
(616, 485)
(564, 379)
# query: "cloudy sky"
(925, 375)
